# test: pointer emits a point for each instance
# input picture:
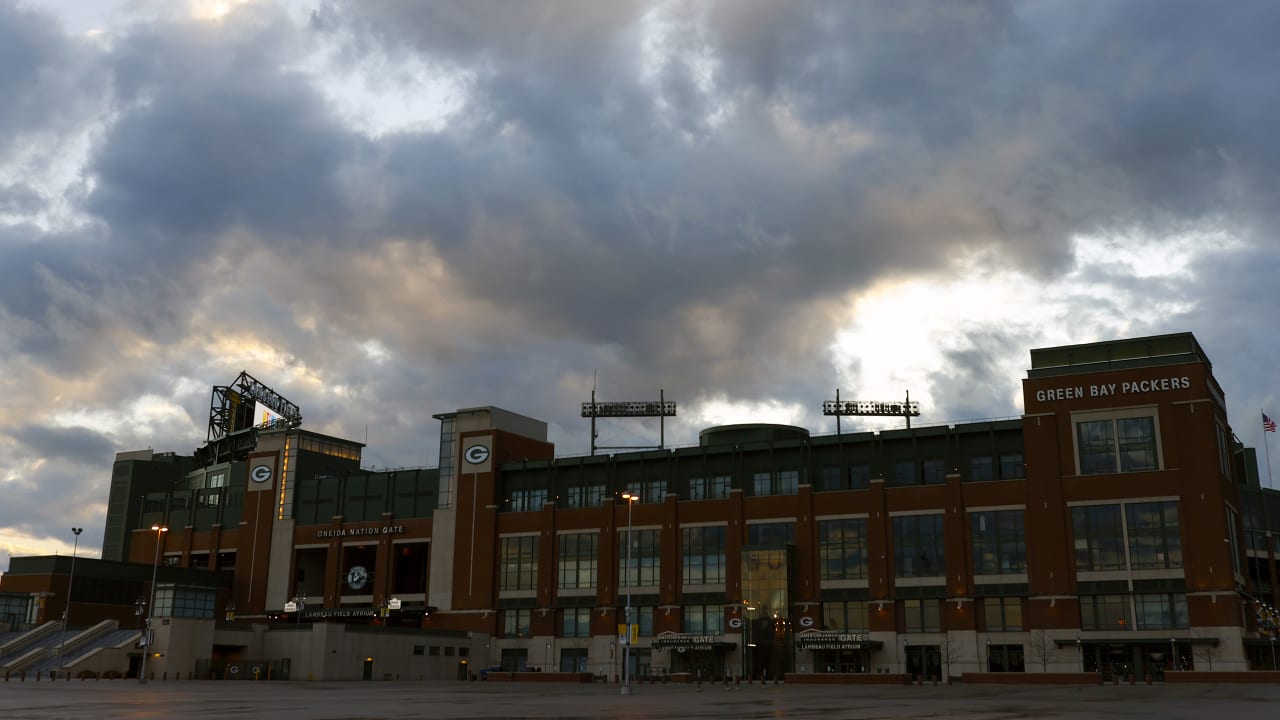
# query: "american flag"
(1268, 425)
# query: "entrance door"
(924, 661)
(368, 668)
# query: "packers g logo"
(476, 454)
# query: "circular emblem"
(735, 622)
(476, 454)
(234, 669)
(357, 576)
(806, 621)
(260, 473)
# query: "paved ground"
(491, 701)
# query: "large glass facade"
(1155, 540)
(1098, 536)
(645, 557)
(704, 557)
(1116, 445)
(842, 549)
(919, 546)
(999, 544)
(518, 563)
(578, 560)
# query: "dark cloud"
(682, 196)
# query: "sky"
(385, 210)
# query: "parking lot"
(477, 700)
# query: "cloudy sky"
(386, 210)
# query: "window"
(842, 549)
(649, 491)
(1104, 612)
(782, 482)
(643, 570)
(435, 649)
(578, 560)
(575, 622)
(1003, 613)
(904, 473)
(703, 619)
(921, 615)
(515, 623)
(935, 472)
(832, 479)
(981, 468)
(1012, 467)
(184, 602)
(643, 616)
(1099, 537)
(919, 546)
(1224, 454)
(846, 615)
(573, 660)
(771, 533)
(709, 488)
(1116, 445)
(419, 649)
(518, 563)
(1154, 538)
(1005, 658)
(998, 542)
(584, 496)
(1161, 611)
(527, 500)
(859, 477)
(703, 550)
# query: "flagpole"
(1266, 443)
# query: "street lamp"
(1173, 655)
(151, 609)
(747, 645)
(66, 607)
(626, 577)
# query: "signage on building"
(1074, 392)
(260, 473)
(870, 407)
(682, 642)
(362, 532)
(476, 454)
(352, 612)
(830, 640)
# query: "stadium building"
(1117, 527)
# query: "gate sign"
(828, 640)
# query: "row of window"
(931, 471)
(1141, 611)
(1120, 536)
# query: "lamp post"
(988, 654)
(66, 607)
(1173, 655)
(626, 577)
(747, 645)
(151, 608)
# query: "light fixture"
(151, 609)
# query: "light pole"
(1173, 655)
(626, 577)
(151, 608)
(66, 607)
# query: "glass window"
(846, 615)
(935, 472)
(1104, 612)
(584, 496)
(715, 487)
(575, 622)
(703, 549)
(184, 602)
(783, 482)
(859, 477)
(643, 616)
(1121, 445)
(1012, 467)
(981, 468)
(649, 491)
(1160, 611)
(904, 473)
(998, 541)
(1099, 537)
(1003, 613)
(518, 563)
(921, 615)
(643, 570)
(775, 533)
(515, 623)
(1154, 537)
(842, 549)
(919, 546)
(578, 553)
(530, 500)
(703, 619)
